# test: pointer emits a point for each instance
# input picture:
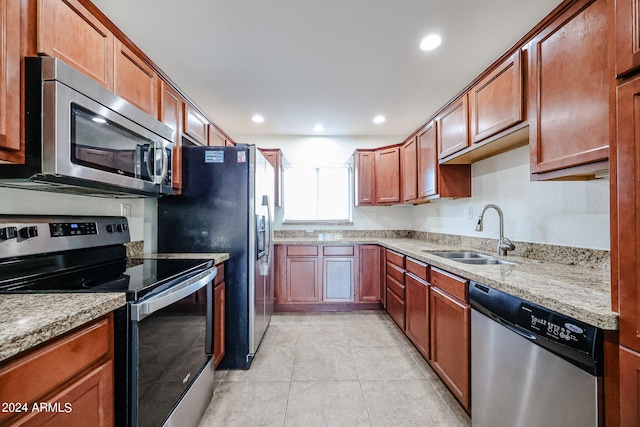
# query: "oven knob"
(109, 228)
(8, 233)
(119, 228)
(28, 232)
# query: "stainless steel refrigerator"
(226, 205)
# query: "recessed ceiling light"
(257, 118)
(430, 42)
(318, 128)
(379, 119)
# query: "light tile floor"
(333, 369)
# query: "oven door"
(171, 334)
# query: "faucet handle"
(506, 245)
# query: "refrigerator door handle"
(264, 263)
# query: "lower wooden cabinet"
(72, 373)
(395, 281)
(629, 387)
(338, 279)
(417, 313)
(368, 278)
(396, 308)
(219, 316)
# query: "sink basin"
(482, 261)
(470, 258)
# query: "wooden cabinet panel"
(134, 80)
(453, 128)
(368, 273)
(219, 292)
(417, 268)
(364, 171)
(303, 280)
(66, 30)
(388, 176)
(569, 81)
(417, 313)
(338, 279)
(274, 157)
(395, 285)
(495, 103)
(427, 161)
(395, 308)
(216, 138)
(396, 272)
(11, 148)
(629, 387)
(337, 250)
(395, 258)
(627, 36)
(450, 283)
(302, 250)
(170, 113)
(410, 170)
(195, 125)
(383, 276)
(449, 343)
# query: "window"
(317, 194)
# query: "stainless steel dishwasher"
(531, 366)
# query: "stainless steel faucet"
(504, 244)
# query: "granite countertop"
(580, 292)
(217, 258)
(27, 320)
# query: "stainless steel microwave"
(81, 138)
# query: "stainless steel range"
(163, 346)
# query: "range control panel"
(60, 229)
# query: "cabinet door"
(410, 170)
(66, 30)
(388, 176)
(449, 340)
(495, 103)
(135, 80)
(453, 128)
(10, 145)
(369, 273)
(627, 36)
(338, 279)
(216, 138)
(427, 161)
(195, 125)
(218, 323)
(629, 387)
(569, 81)
(171, 115)
(395, 308)
(417, 316)
(303, 279)
(365, 178)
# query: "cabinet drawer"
(337, 250)
(450, 283)
(396, 287)
(302, 251)
(395, 272)
(395, 258)
(419, 269)
(57, 362)
(395, 308)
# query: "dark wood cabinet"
(395, 292)
(496, 102)
(417, 305)
(75, 369)
(299, 277)
(569, 93)
(409, 158)
(219, 316)
(427, 161)
(368, 278)
(364, 177)
(627, 36)
(134, 80)
(453, 128)
(170, 113)
(629, 387)
(387, 176)
(274, 157)
(11, 148)
(195, 125)
(216, 137)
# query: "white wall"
(27, 202)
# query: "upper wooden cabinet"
(170, 113)
(216, 137)
(387, 176)
(453, 128)
(135, 80)
(66, 30)
(196, 125)
(427, 161)
(409, 168)
(627, 36)
(11, 148)
(274, 157)
(569, 93)
(364, 164)
(495, 103)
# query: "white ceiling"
(335, 62)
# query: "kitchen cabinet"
(364, 162)
(417, 305)
(134, 80)
(216, 137)
(395, 281)
(68, 31)
(219, 316)
(569, 93)
(274, 157)
(387, 176)
(409, 169)
(195, 125)
(74, 371)
(449, 323)
(627, 36)
(170, 113)
(11, 148)
(453, 128)
(298, 274)
(629, 387)
(368, 278)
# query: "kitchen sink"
(470, 258)
(482, 261)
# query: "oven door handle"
(145, 308)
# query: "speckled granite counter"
(580, 292)
(28, 320)
(216, 257)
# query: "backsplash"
(135, 249)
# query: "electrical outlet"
(470, 212)
(125, 209)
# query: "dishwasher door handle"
(515, 329)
